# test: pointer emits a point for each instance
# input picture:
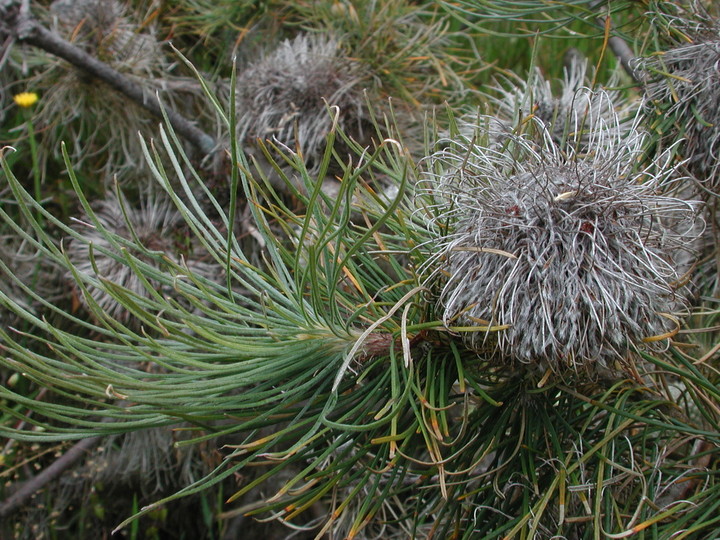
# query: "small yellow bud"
(25, 99)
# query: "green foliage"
(311, 378)
(544, 17)
(333, 342)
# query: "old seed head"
(285, 96)
(98, 124)
(570, 112)
(572, 250)
(683, 91)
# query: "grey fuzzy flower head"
(151, 233)
(683, 91)
(22, 266)
(569, 112)
(92, 14)
(573, 252)
(285, 96)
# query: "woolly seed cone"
(103, 28)
(29, 268)
(283, 96)
(574, 252)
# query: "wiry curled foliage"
(154, 229)
(285, 96)
(683, 87)
(570, 112)
(573, 252)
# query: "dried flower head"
(683, 90)
(149, 458)
(105, 28)
(573, 252)
(569, 114)
(24, 266)
(285, 96)
(158, 227)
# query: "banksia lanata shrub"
(285, 96)
(572, 252)
(108, 251)
(333, 392)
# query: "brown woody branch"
(50, 473)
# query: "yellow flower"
(25, 99)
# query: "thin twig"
(618, 45)
(35, 484)
(625, 54)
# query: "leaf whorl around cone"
(573, 251)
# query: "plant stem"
(26, 490)
(37, 176)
